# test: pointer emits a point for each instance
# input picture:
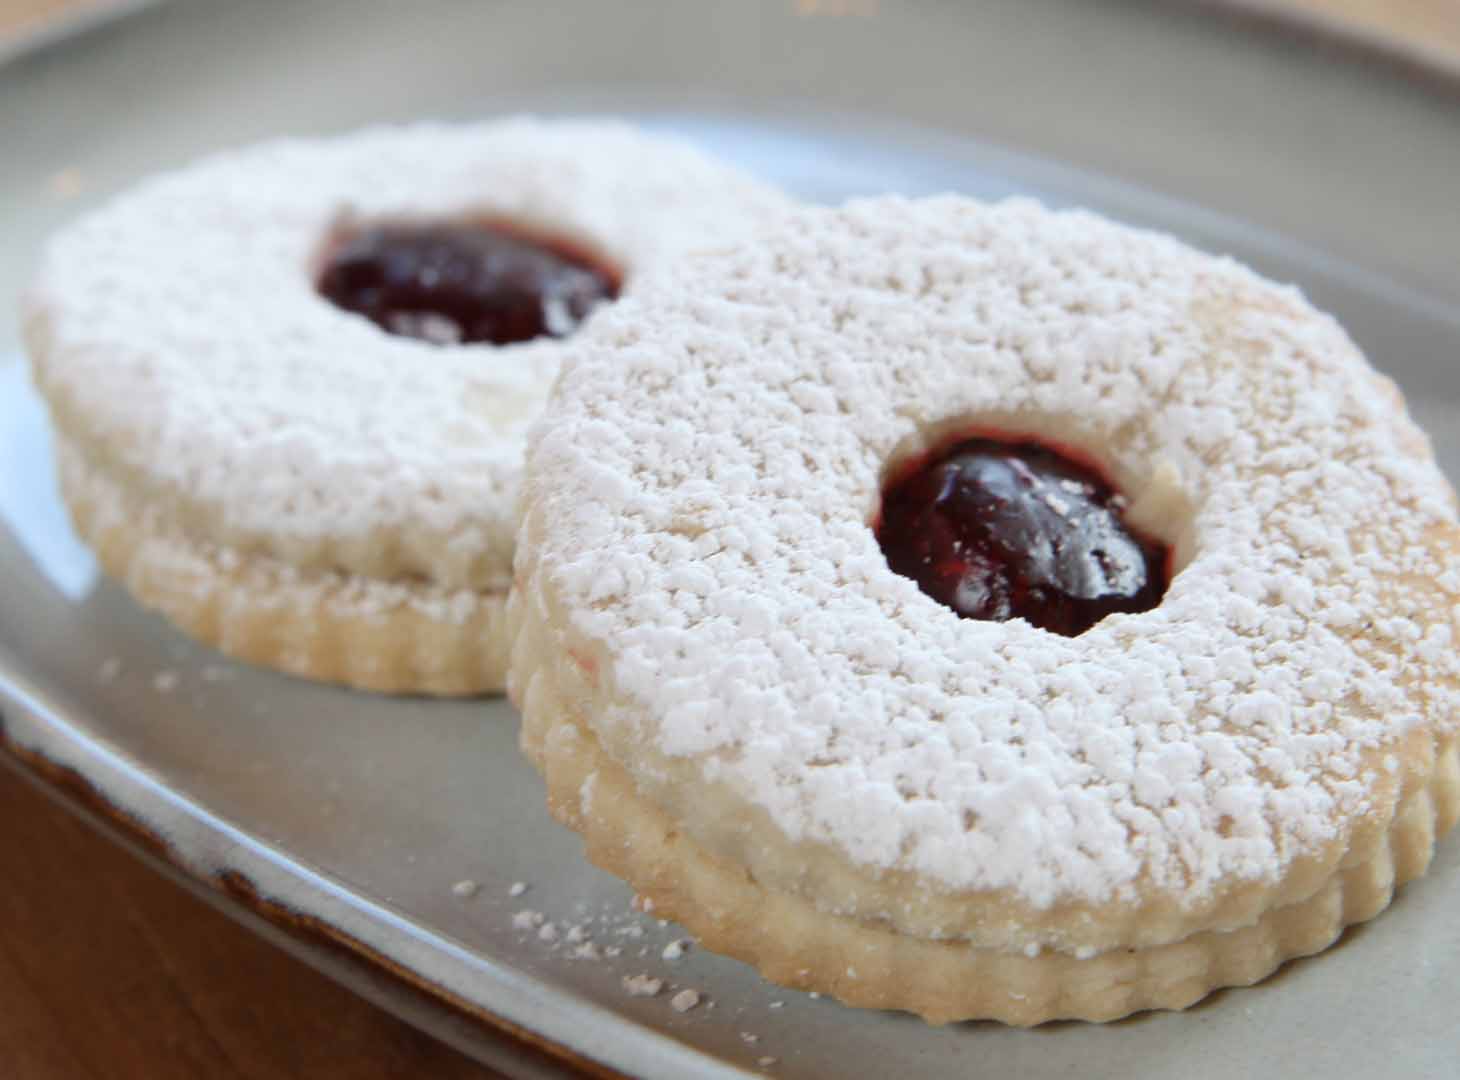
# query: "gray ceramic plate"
(347, 819)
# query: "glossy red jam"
(1015, 530)
(464, 283)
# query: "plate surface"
(360, 814)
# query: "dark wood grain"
(109, 970)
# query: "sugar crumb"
(528, 920)
(642, 985)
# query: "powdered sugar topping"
(178, 332)
(702, 485)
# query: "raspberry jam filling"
(464, 283)
(1015, 530)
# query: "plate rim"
(1401, 55)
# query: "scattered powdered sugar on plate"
(585, 937)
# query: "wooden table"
(108, 970)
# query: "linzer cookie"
(988, 612)
(291, 383)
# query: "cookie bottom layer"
(863, 964)
(389, 637)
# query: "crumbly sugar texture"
(285, 479)
(806, 760)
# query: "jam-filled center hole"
(466, 282)
(1003, 530)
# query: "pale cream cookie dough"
(818, 768)
(282, 477)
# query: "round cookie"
(819, 768)
(271, 467)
